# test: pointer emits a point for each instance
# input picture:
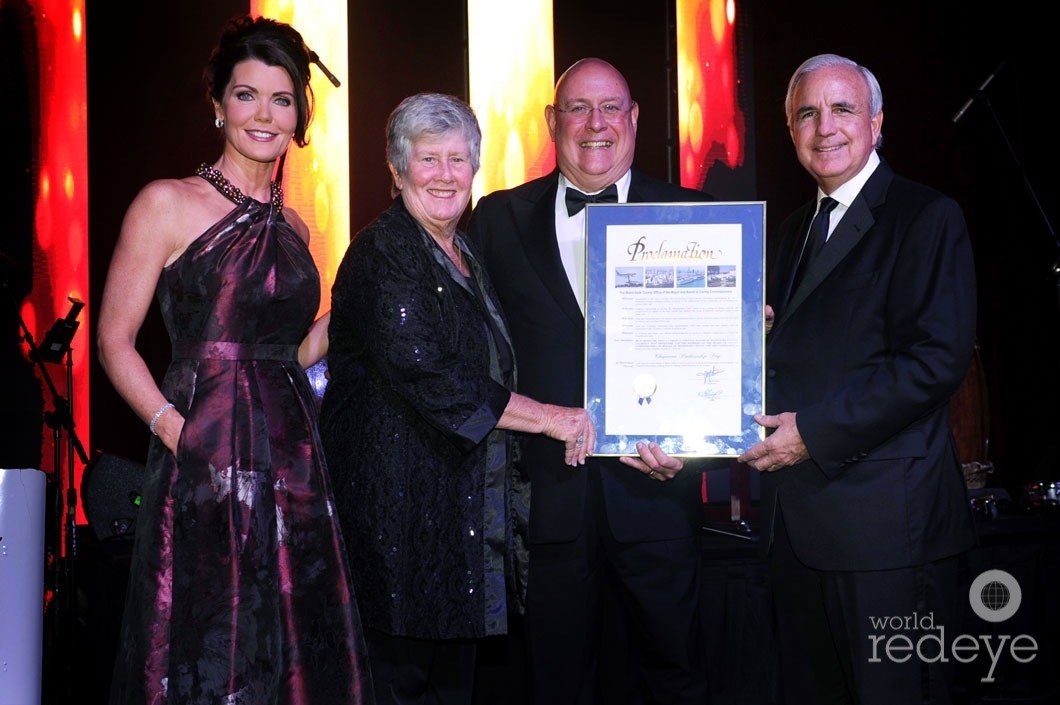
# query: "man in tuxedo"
(627, 524)
(864, 503)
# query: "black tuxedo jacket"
(514, 232)
(868, 352)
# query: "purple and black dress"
(239, 591)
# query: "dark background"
(148, 119)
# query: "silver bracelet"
(158, 414)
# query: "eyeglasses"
(608, 111)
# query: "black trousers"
(409, 671)
(656, 586)
(852, 637)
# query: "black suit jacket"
(868, 352)
(514, 231)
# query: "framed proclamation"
(675, 326)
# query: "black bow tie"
(576, 200)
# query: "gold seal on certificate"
(644, 385)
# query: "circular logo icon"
(995, 595)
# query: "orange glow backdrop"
(60, 268)
(711, 124)
(511, 78)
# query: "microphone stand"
(56, 349)
(1030, 190)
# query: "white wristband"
(158, 414)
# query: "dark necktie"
(816, 236)
(576, 200)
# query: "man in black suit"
(632, 520)
(864, 503)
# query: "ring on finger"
(651, 474)
(579, 440)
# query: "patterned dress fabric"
(239, 591)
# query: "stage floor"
(736, 615)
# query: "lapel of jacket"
(535, 219)
(637, 188)
(848, 232)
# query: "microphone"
(331, 77)
(982, 87)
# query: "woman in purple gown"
(239, 589)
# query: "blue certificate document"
(675, 326)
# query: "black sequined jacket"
(422, 478)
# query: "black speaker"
(110, 493)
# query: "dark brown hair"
(271, 42)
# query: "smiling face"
(259, 110)
(832, 126)
(593, 149)
(436, 185)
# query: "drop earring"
(218, 123)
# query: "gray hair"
(823, 61)
(430, 114)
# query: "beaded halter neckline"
(215, 177)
